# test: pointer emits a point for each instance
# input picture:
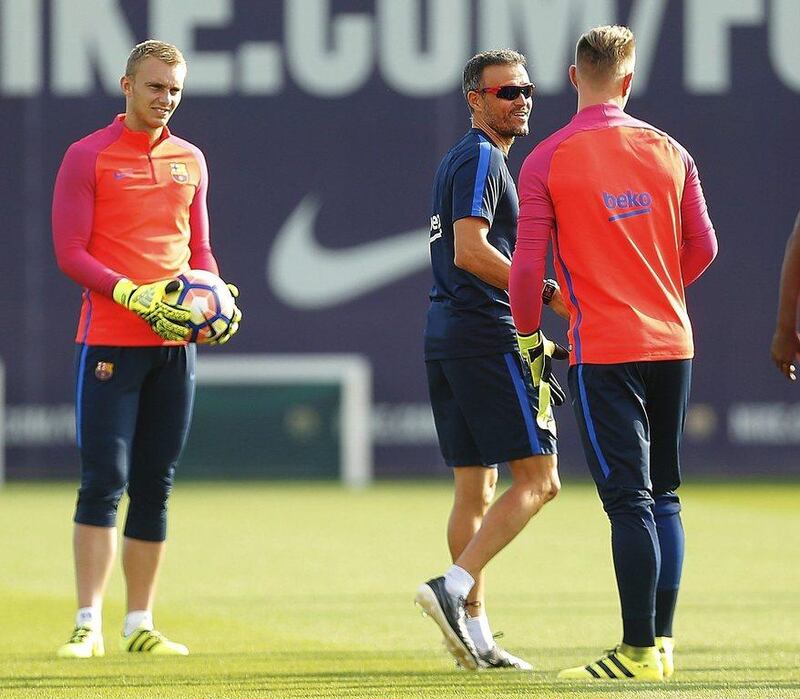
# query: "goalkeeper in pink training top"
(129, 216)
(622, 204)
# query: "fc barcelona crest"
(104, 371)
(179, 172)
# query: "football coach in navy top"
(484, 404)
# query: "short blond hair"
(603, 53)
(168, 53)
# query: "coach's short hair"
(168, 53)
(603, 53)
(473, 71)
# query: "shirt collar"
(477, 130)
(597, 112)
(139, 139)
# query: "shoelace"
(80, 634)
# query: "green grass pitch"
(305, 591)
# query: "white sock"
(137, 618)
(479, 632)
(90, 617)
(458, 581)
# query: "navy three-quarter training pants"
(133, 408)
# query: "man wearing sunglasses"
(484, 404)
(623, 206)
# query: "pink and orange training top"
(124, 208)
(623, 206)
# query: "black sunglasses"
(510, 92)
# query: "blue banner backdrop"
(323, 122)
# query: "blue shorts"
(485, 410)
(133, 407)
(631, 419)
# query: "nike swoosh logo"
(308, 276)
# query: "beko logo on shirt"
(635, 203)
(436, 228)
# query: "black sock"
(638, 632)
(671, 541)
(665, 611)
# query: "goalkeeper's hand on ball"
(233, 328)
(538, 352)
(147, 302)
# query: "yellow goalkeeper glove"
(147, 302)
(538, 352)
(233, 328)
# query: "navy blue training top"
(468, 317)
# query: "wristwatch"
(548, 291)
